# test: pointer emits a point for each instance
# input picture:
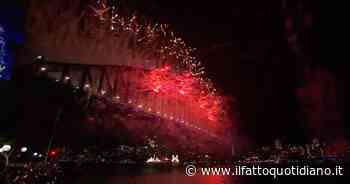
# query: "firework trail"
(166, 79)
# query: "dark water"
(144, 175)
(151, 175)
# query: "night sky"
(244, 48)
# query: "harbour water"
(175, 175)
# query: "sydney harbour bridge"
(113, 92)
(130, 70)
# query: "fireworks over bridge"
(110, 52)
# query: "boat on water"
(165, 161)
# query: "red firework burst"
(184, 87)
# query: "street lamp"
(43, 69)
(5, 148)
(4, 153)
(24, 149)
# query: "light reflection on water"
(152, 175)
(149, 176)
(172, 177)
